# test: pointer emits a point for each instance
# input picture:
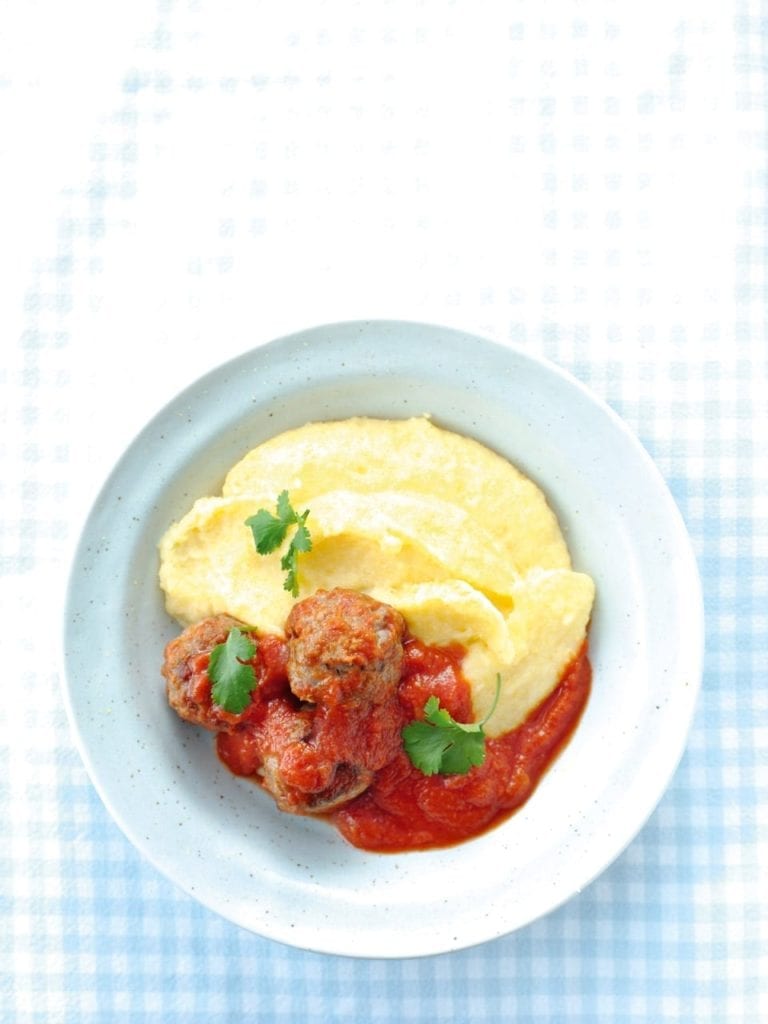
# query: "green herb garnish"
(231, 673)
(442, 745)
(270, 531)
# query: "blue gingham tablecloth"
(587, 180)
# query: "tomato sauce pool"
(405, 810)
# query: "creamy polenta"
(428, 521)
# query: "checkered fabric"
(586, 180)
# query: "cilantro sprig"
(231, 673)
(269, 532)
(441, 745)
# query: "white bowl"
(295, 879)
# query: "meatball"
(326, 715)
(317, 758)
(347, 782)
(297, 758)
(344, 647)
(185, 668)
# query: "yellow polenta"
(429, 521)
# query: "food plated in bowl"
(294, 877)
(435, 572)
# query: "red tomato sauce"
(241, 751)
(403, 809)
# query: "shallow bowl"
(294, 879)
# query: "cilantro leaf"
(232, 677)
(425, 746)
(285, 512)
(466, 751)
(440, 744)
(289, 563)
(301, 539)
(269, 532)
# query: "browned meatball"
(298, 754)
(185, 668)
(318, 744)
(349, 781)
(346, 782)
(334, 759)
(344, 647)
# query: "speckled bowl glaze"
(295, 879)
